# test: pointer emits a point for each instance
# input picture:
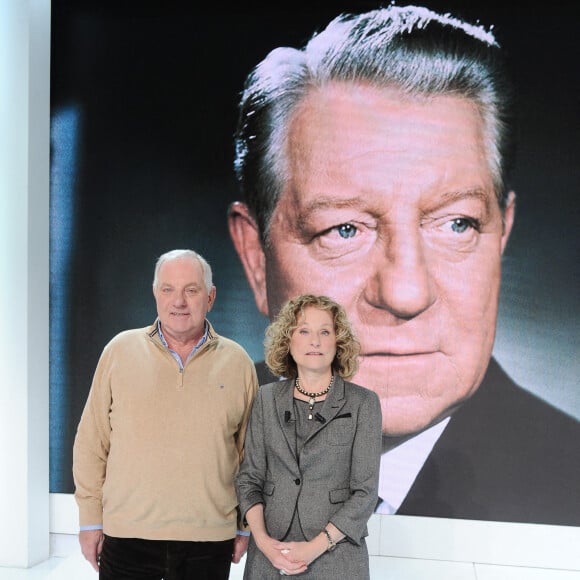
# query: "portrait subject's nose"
(400, 281)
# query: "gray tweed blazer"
(335, 476)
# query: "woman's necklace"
(312, 396)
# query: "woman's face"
(313, 342)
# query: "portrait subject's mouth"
(417, 340)
(402, 366)
(399, 355)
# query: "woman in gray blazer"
(308, 483)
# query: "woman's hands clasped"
(282, 556)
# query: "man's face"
(182, 299)
(390, 210)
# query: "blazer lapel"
(284, 402)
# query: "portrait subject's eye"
(346, 236)
(457, 225)
(460, 225)
(346, 230)
(454, 233)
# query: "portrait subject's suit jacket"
(334, 477)
(505, 455)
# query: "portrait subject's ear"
(246, 238)
(508, 219)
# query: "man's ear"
(509, 215)
(211, 298)
(246, 238)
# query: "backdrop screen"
(143, 111)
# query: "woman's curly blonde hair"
(279, 333)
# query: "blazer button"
(297, 481)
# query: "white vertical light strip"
(13, 282)
(24, 161)
(38, 541)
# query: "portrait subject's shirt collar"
(401, 465)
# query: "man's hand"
(91, 545)
(240, 547)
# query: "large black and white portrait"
(144, 104)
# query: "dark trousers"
(137, 559)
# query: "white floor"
(76, 568)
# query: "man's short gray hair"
(188, 255)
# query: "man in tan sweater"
(161, 439)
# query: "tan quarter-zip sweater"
(157, 447)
